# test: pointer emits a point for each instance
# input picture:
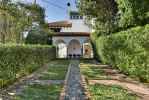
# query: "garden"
(120, 36)
(26, 52)
(45, 83)
(94, 74)
(29, 69)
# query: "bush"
(19, 60)
(37, 36)
(128, 51)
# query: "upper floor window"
(76, 17)
(81, 17)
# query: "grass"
(102, 92)
(56, 71)
(91, 71)
(60, 62)
(40, 92)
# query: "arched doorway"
(61, 48)
(74, 49)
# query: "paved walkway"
(74, 89)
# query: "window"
(81, 17)
(77, 17)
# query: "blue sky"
(55, 9)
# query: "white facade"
(67, 39)
(69, 45)
(71, 40)
(77, 26)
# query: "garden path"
(74, 90)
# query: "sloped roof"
(60, 24)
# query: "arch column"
(61, 49)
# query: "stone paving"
(74, 89)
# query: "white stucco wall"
(61, 42)
(77, 26)
(67, 39)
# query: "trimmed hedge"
(128, 51)
(19, 60)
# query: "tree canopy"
(15, 18)
(113, 15)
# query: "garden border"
(63, 92)
(85, 88)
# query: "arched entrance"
(74, 49)
(61, 48)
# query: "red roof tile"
(60, 24)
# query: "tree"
(132, 12)
(38, 36)
(36, 12)
(15, 18)
(113, 15)
(102, 11)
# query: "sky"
(55, 10)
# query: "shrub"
(128, 51)
(19, 60)
(37, 36)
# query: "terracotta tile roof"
(60, 24)
(71, 34)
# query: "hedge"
(20, 60)
(127, 50)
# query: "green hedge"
(128, 51)
(19, 60)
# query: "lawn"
(102, 92)
(54, 73)
(91, 71)
(56, 70)
(40, 92)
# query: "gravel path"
(74, 89)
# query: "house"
(72, 37)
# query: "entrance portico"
(73, 46)
(72, 37)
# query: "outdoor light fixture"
(68, 4)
